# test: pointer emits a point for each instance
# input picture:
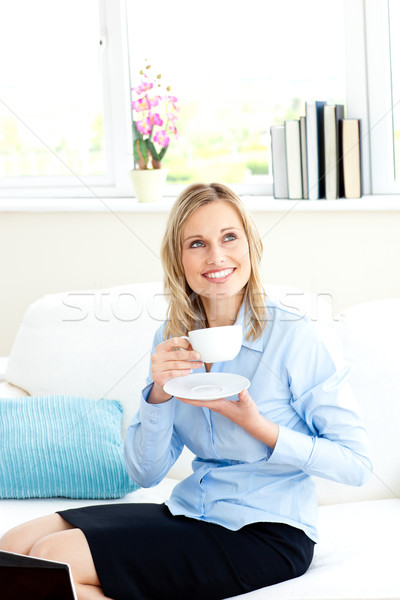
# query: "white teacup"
(216, 344)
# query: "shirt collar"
(257, 344)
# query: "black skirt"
(142, 552)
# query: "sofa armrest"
(3, 367)
(7, 390)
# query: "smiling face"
(215, 255)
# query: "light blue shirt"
(298, 382)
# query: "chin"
(221, 291)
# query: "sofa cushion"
(369, 333)
(61, 446)
(91, 343)
(356, 557)
(14, 512)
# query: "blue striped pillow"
(62, 446)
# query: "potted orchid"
(154, 116)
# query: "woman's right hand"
(172, 358)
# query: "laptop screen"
(34, 578)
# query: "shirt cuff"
(292, 448)
(156, 417)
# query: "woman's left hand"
(243, 412)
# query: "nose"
(215, 256)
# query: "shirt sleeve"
(336, 446)
(152, 445)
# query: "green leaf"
(162, 153)
(152, 150)
(136, 133)
(140, 153)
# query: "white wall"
(351, 255)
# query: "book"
(293, 159)
(279, 168)
(334, 185)
(351, 158)
(303, 146)
(315, 149)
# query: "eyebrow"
(190, 237)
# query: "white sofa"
(96, 343)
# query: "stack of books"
(318, 155)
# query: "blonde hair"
(185, 308)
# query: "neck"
(222, 312)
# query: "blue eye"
(196, 244)
(229, 237)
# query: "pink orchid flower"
(172, 116)
(172, 129)
(161, 138)
(145, 126)
(171, 104)
(154, 100)
(143, 87)
(173, 108)
(146, 86)
(141, 104)
(156, 119)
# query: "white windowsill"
(254, 203)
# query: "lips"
(219, 275)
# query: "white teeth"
(220, 274)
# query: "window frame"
(357, 102)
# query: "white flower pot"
(148, 184)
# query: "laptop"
(26, 577)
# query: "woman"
(246, 517)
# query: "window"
(382, 19)
(394, 21)
(57, 129)
(237, 68)
(52, 118)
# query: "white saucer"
(206, 386)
